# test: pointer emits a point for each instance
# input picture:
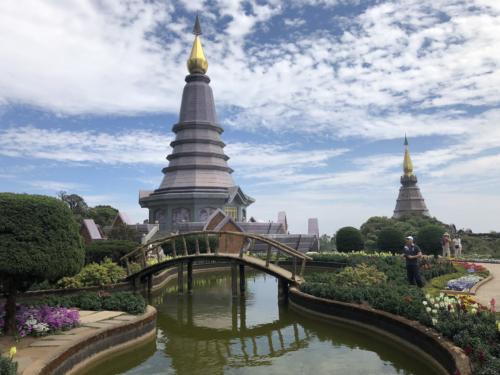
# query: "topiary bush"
(348, 239)
(39, 240)
(429, 239)
(390, 239)
(96, 251)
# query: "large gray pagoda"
(410, 200)
(197, 180)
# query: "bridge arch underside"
(252, 262)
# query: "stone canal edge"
(407, 333)
(100, 334)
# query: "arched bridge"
(220, 246)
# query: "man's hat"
(446, 234)
(409, 238)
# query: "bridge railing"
(154, 248)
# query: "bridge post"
(180, 277)
(190, 276)
(234, 279)
(243, 315)
(207, 244)
(127, 263)
(282, 291)
(242, 279)
(150, 284)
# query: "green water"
(210, 333)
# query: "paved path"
(33, 352)
(490, 289)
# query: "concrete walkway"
(32, 353)
(490, 289)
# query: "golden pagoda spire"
(197, 62)
(407, 163)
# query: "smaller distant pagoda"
(410, 200)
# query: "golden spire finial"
(407, 163)
(197, 62)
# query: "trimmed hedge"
(390, 239)
(39, 238)
(429, 239)
(122, 301)
(349, 239)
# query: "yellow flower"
(12, 352)
(498, 325)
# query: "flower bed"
(469, 325)
(42, 320)
(463, 283)
(471, 267)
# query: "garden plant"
(39, 240)
(469, 325)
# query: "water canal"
(207, 333)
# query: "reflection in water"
(209, 332)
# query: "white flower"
(41, 327)
(473, 311)
(425, 303)
(434, 321)
(428, 296)
(428, 309)
(434, 311)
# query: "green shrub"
(359, 276)
(121, 301)
(429, 239)
(135, 267)
(390, 239)
(39, 241)
(72, 282)
(7, 366)
(126, 301)
(112, 249)
(88, 301)
(348, 239)
(95, 275)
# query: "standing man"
(412, 254)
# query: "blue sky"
(315, 97)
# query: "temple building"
(197, 179)
(410, 200)
(198, 192)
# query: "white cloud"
(402, 65)
(294, 22)
(56, 186)
(133, 147)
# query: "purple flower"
(42, 320)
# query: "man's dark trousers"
(414, 275)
